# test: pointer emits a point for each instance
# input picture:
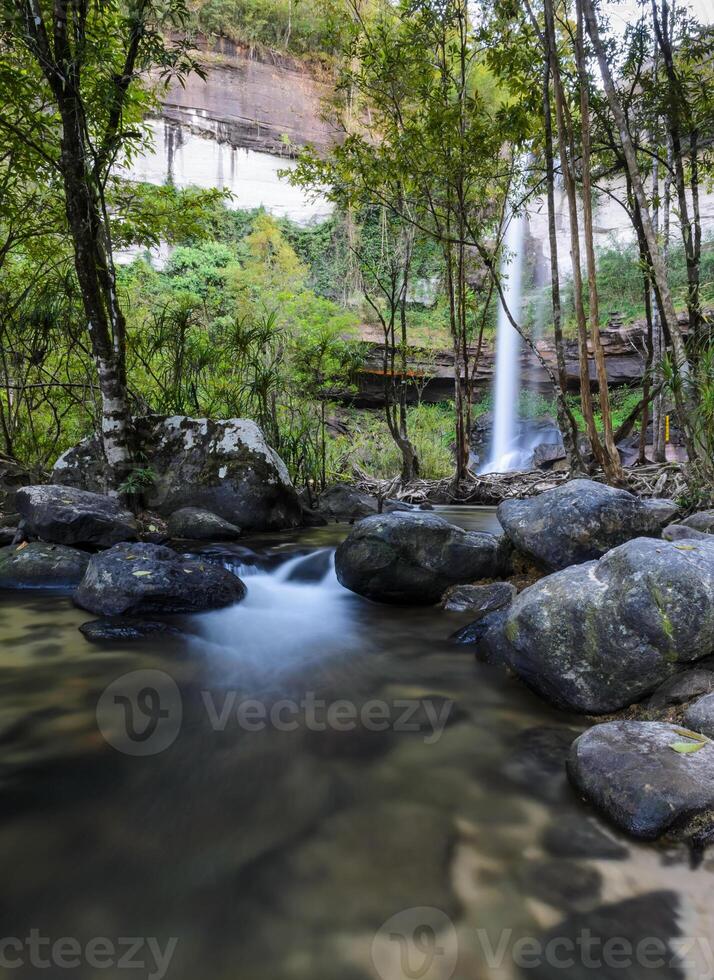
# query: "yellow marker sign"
(666, 428)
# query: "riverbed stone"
(575, 836)
(630, 772)
(141, 579)
(39, 565)
(596, 637)
(225, 466)
(197, 524)
(412, 558)
(122, 629)
(680, 532)
(703, 520)
(478, 599)
(579, 521)
(487, 636)
(700, 716)
(682, 688)
(65, 515)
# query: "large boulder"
(196, 524)
(644, 776)
(579, 521)
(599, 636)
(38, 565)
(413, 557)
(65, 515)
(141, 579)
(225, 466)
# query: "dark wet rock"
(682, 688)
(7, 535)
(313, 568)
(703, 521)
(537, 762)
(580, 521)
(487, 635)
(597, 637)
(631, 773)
(620, 941)
(700, 716)
(124, 629)
(38, 565)
(224, 466)
(12, 476)
(413, 558)
(197, 524)
(140, 579)
(65, 515)
(479, 599)
(575, 836)
(312, 518)
(387, 856)
(567, 885)
(343, 504)
(680, 532)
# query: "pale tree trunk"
(611, 465)
(566, 421)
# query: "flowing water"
(291, 822)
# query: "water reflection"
(277, 855)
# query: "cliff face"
(259, 102)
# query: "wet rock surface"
(118, 630)
(597, 637)
(412, 558)
(37, 565)
(579, 521)
(700, 716)
(682, 688)
(144, 579)
(632, 773)
(66, 515)
(196, 524)
(480, 599)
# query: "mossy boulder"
(66, 515)
(224, 466)
(599, 636)
(579, 521)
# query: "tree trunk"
(611, 457)
(96, 281)
(566, 159)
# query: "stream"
(334, 791)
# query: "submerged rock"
(224, 466)
(700, 716)
(197, 524)
(65, 515)
(38, 565)
(630, 771)
(487, 635)
(136, 579)
(412, 558)
(481, 599)
(123, 629)
(579, 521)
(599, 636)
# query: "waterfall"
(504, 454)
